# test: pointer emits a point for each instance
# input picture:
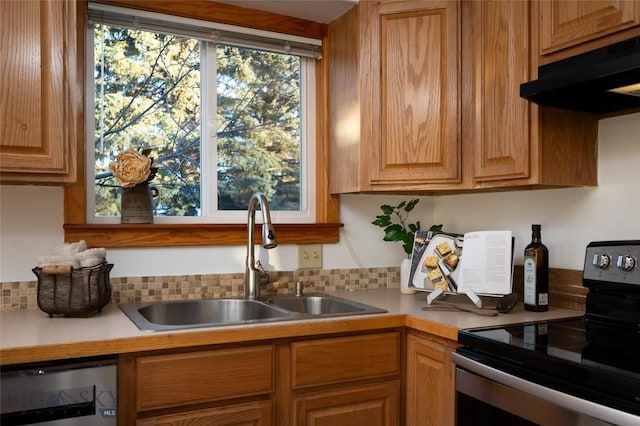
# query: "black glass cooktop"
(581, 357)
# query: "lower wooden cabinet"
(430, 381)
(366, 405)
(347, 381)
(351, 379)
(253, 414)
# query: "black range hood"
(586, 82)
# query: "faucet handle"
(299, 289)
(265, 278)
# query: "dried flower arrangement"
(133, 167)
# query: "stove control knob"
(601, 260)
(626, 262)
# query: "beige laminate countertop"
(28, 336)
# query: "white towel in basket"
(91, 257)
(54, 260)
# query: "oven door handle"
(561, 399)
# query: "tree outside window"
(149, 93)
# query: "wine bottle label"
(530, 280)
(543, 299)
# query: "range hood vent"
(601, 81)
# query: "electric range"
(593, 362)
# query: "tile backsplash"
(23, 295)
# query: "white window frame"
(208, 140)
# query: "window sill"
(169, 235)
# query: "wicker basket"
(73, 292)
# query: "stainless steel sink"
(182, 314)
(174, 315)
(320, 304)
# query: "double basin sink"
(176, 315)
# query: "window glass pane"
(258, 128)
(147, 95)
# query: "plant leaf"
(387, 209)
(382, 221)
(411, 204)
(408, 247)
(394, 233)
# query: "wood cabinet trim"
(176, 235)
(229, 14)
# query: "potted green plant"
(395, 221)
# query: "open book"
(480, 262)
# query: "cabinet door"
(430, 394)
(567, 23)
(252, 414)
(500, 60)
(414, 124)
(37, 91)
(367, 405)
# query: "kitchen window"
(198, 229)
(224, 113)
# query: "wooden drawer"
(341, 359)
(256, 413)
(204, 376)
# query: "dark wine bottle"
(536, 273)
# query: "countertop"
(28, 336)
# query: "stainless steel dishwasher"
(61, 393)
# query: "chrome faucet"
(254, 275)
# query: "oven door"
(487, 396)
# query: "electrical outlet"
(309, 256)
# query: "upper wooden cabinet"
(496, 65)
(586, 25)
(394, 96)
(514, 142)
(38, 91)
(425, 97)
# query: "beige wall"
(31, 221)
(570, 218)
